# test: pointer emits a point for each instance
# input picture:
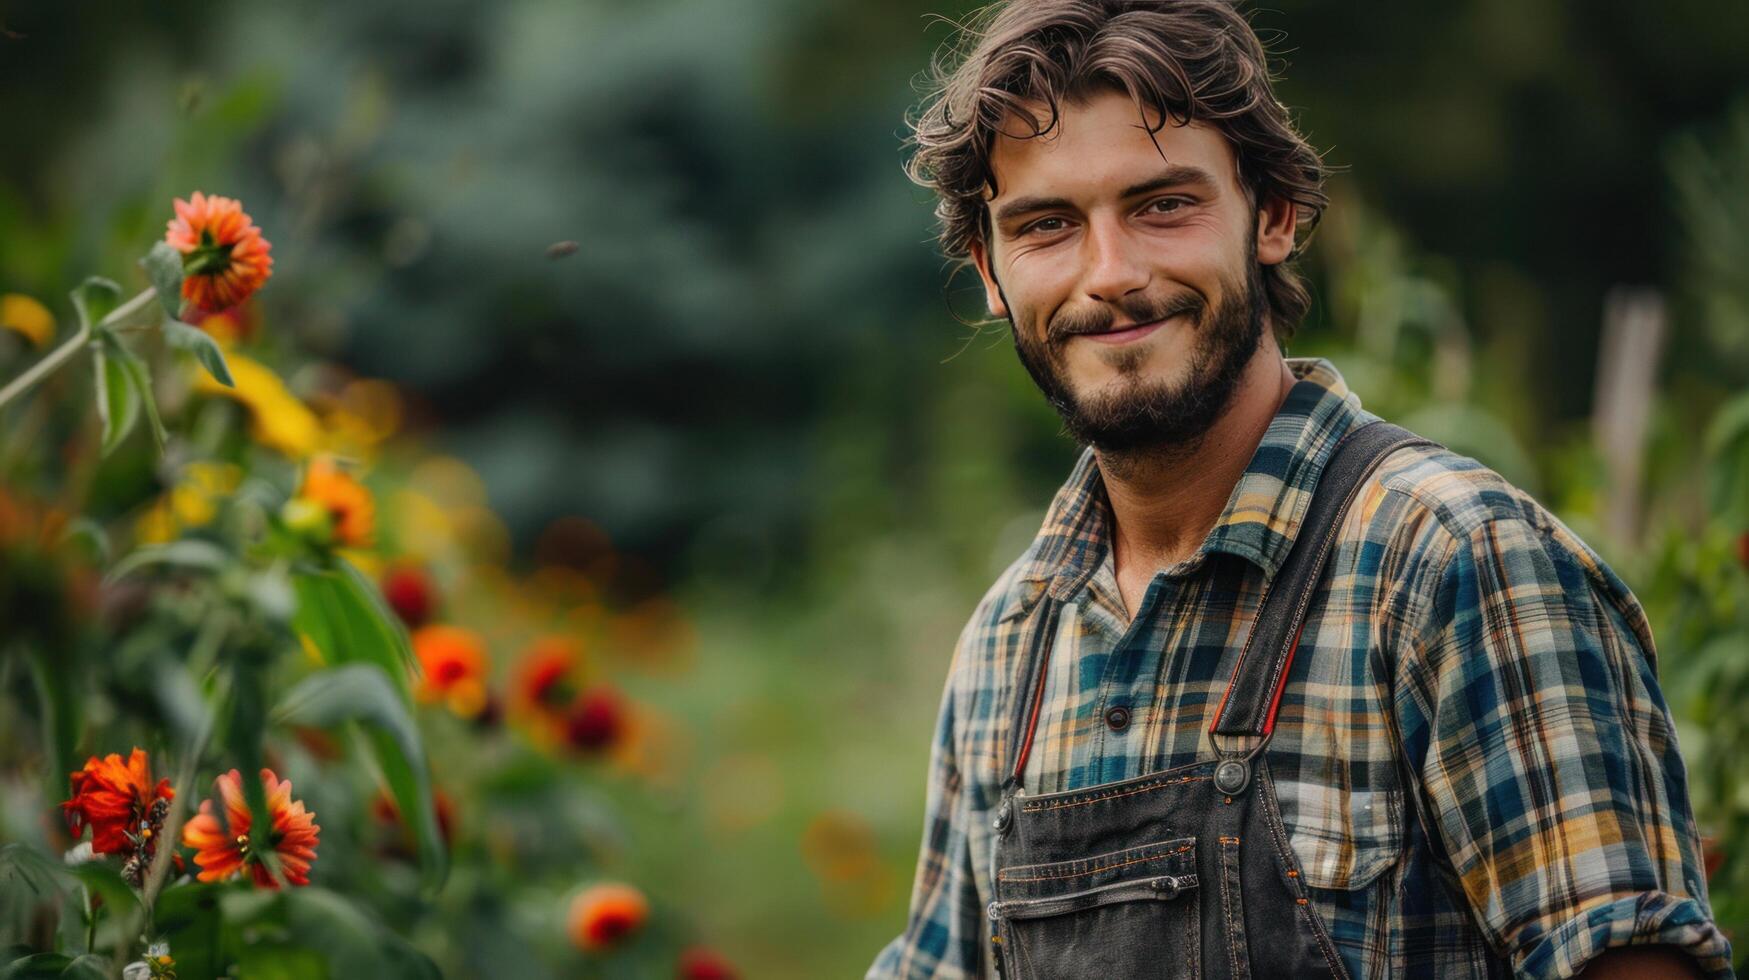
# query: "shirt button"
(1118, 717)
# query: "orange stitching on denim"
(1004, 876)
(1111, 794)
(1227, 902)
(1229, 840)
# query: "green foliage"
(43, 966)
(363, 693)
(95, 299)
(201, 344)
(118, 401)
(344, 616)
(138, 379)
(163, 265)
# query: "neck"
(1165, 500)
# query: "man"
(1466, 769)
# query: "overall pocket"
(1122, 914)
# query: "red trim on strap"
(1281, 685)
(1038, 698)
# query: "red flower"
(700, 963)
(116, 800)
(410, 594)
(604, 914)
(224, 257)
(596, 720)
(223, 850)
(543, 683)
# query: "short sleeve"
(1549, 759)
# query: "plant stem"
(72, 346)
(211, 636)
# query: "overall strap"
(1035, 666)
(1254, 693)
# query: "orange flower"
(117, 799)
(348, 504)
(452, 661)
(224, 257)
(604, 914)
(223, 850)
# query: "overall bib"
(1184, 873)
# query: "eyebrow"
(1173, 176)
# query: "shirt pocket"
(1344, 838)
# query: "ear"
(1276, 220)
(992, 290)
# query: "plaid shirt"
(1473, 758)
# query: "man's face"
(1131, 281)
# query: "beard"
(1134, 416)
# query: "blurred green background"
(756, 377)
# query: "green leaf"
(104, 878)
(188, 918)
(35, 967)
(118, 402)
(281, 961)
(87, 534)
(185, 553)
(60, 704)
(184, 337)
(28, 879)
(346, 617)
(87, 967)
(355, 941)
(163, 265)
(95, 299)
(363, 693)
(1729, 423)
(140, 378)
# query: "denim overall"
(1184, 873)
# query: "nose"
(1115, 264)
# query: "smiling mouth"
(1127, 334)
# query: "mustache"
(1144, 310)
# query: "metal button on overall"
(1117, 717)
(1231, 776)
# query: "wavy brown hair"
(1184, 59)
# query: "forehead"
(1099, 146)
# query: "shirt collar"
(1263, 513)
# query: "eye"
(1039, 225)
(1167, 205)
